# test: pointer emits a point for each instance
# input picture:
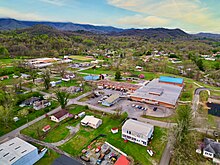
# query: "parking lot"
(136, 110)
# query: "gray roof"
(137, 126)
(13, 150)
(64, 160)
(212, 146)
(112, 98)
(169, 93)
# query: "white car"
(133, 105)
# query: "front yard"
(58, 130)
(84, 137)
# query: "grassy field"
(81, 58)
(170, 119)
(84, 137)
(48, 158)
(58, 131)
(23, 120)
(188, 92)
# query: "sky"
(192, 16)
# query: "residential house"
(68, 76)
(137, 132)
(91, 121)
(139, 68)
(211, 150)
(59, 116)
(18, 152)
(29, 101)
(4, 78)
(41, 104)
(25, 76)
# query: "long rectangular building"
(118, 85)
(158, 93)
(18, 152)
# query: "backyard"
(84, 137)
(58, 130)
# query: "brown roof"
(118, 84)
(60, 113)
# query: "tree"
(33, 74)
(182, 140)
(6, 99)
(200, 65)
(46, 78)
(63, 98)
(4, 52)
(61, 68)
(117, 75)
(5, 115)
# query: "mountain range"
(13, 24)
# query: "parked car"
(155, 109)
(86, 159)
(97, 149)
(142, 108)
(100, 101)
(107, 151)
(133, 105)
(136, 106)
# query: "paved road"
(165, 160)
(195, 102)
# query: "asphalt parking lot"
(126, 106)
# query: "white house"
(59, 116)
(91, 121)
(137, 132)
(18, 152)
(211, 150)
(41, 104)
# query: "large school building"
(164, 91)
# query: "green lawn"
(58, 131)
(83, 138)
(98, 71)
(23, 120)
(188, 91)
(81, 58)
(48, 158)
(171, 119)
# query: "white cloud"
(187, 13)
(141, 21)
(6, 12)
(54, 2)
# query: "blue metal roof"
(171, 79)
(90, 77)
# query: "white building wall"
(136, 137)
(30, 158)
